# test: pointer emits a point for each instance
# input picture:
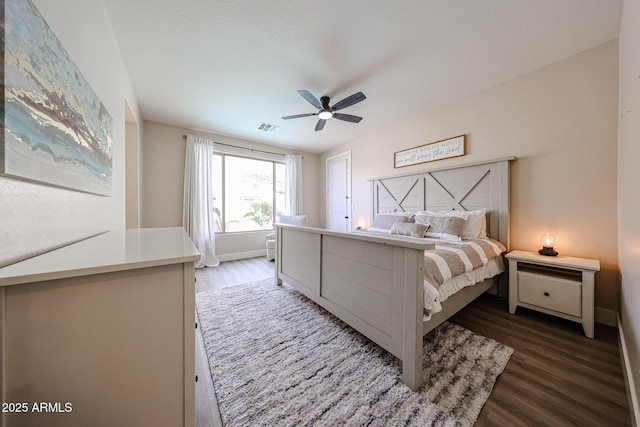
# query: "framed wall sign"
(452, 147)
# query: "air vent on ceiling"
(266, 127)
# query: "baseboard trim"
(605, 316)
(242, 255)
(627, 373)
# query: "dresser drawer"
(564, 296)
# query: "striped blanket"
(448, 260)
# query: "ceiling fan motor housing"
(326, 112)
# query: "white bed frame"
(374, 283)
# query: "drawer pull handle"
(546, 294)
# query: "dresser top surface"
(108, 252)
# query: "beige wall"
(163, 150)
(561, 123)
(132, 199)
(629, 195)
(34, 217)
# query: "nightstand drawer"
(564, 296)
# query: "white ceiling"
(224, 66)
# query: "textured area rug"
(278, 359)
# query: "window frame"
(223, 174)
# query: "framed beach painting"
(56, 130)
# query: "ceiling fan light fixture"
(326, 111)
(325, 114)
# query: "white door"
(339, 192)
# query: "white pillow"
(458, 214)
(474, 225)
(475, 221)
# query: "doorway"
(338, 185)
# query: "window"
(248, 193)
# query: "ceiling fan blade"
(349, 101)
(310, 98)
(297, 116)
(347, 117)
(320, 124)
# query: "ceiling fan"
(326, 112)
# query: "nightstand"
(561, 286)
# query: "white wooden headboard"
(467, 187)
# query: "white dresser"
(101, 332)
(561, 286)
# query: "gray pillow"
(409, 229)
(442, 227)
(386, 221)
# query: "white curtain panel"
(197, 214)
(293, 184)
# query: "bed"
(375, 282)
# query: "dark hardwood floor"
(556, 376)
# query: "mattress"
(434, 295)
(452, 266)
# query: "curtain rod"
(243, 148)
